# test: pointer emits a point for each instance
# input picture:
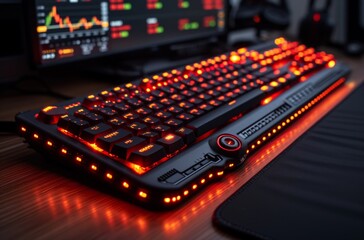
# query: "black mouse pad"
(313, 190)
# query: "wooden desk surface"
(41, 199)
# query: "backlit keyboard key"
(125, 147)
(91, 133)
(155, 106)
(163, 115)
(51, 114)
(137, 127)
(173, 123)
(64, 121)
(158, 94)
(131, 116)
(151, 120)
(171, 142)
(161, 129)
(91, 101)
(134, 102)
(75, 126)
(167, 102)
(175, 110)
(187, 135)
(143, 111)
(147, 155)
(105, 112)
(116, 122)
(150, 136)
(185, 117)
(185, 105)
(196, 112)
(106, 141)
(93, 118)
(121, 107)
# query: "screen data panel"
(77, 29)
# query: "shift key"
(147, 155)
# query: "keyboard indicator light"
(143, 194)
(93, 167)
(331, 64)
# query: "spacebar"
(224, 113)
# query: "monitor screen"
(68, 30)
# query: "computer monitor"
(70, 30)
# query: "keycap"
(163, 115)
(185, 105)
(187, 134)
(130, 116)
(173, 123)
(147, 97)
(72, 124)
(167, 101)
(171, 143)
(90, 134)
(158, 94)
(151, 120)
(81, 113)
(107, 96)
(161, 129)
(105, 112)
(93, 118)
(143, 111)
(155, 106)
(147, 154)
(124, 148)
(76, 125)
(175, 109)
(116, 122)
(106, 141)
(51, 114)
(217, 117)
(120, 92)
(195, 101)
(137, 127)
(91, 101)
(150, 136)
(185, 117)
(121, 107)
(64, 121)
(196, 111)
(134, 102)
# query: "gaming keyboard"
(160, 139)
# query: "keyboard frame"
(168, 184)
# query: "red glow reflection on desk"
(76, 204)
